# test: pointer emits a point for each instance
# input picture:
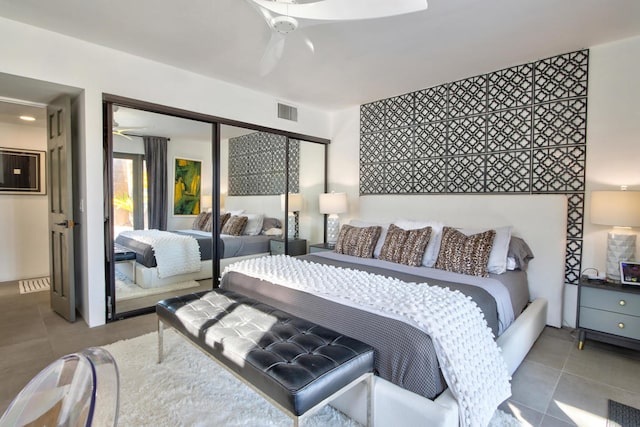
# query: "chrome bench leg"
(160, 343)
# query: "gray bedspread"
(404, 355)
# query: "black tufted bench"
(295, 364)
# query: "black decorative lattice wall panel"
(521, 130)
(257, 164)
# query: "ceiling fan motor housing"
(284, 24)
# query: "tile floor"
(556, 385)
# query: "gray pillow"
(520, 251)
(270, 223)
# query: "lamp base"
(333, 229)
(292, 225)
(620, 247)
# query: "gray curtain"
(155, 152)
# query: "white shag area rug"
(190, 389)
(125, 289)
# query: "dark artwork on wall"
(521, 130)
(21, 171)
(257, 165)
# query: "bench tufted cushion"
(295, 362)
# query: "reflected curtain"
(155, 152)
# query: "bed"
(409, 387)
(232, 248)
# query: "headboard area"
(541, 220)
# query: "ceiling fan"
(286, 16)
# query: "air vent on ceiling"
(287, 112)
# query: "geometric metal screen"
(257, 164)
(521, 130)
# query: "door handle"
(67, 223)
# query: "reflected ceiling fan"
(122, 132)
(286, 16)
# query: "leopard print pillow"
(464, 254)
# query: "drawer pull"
(622, 302)
(621, 325)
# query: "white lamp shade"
(615, 208)
(295, 202)
(333, 203)
(206, 203)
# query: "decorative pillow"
(405, 246)
(498, 258)
(254, 224)
(269, 223)
(201, 221)
(431, 253)
(520, 252)
(465, 254)
(234, 225)
(357, 241)
(274, 231)
(223, 219)
(383, 233)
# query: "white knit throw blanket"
(175, 254)
(469, 357)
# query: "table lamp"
(621, 210)
(333, 204)
(294, 206)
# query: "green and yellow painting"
(186, 195)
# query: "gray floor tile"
(550, 351)
(549, 421)
(526, 415)
(584, 401)
(25, 352)
(533, 384)
(564, 333)
(606, 366)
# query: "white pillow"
(511, 263)
(498, 258)
(433, 247)
(254, 224)
(383, 233)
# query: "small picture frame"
(22, 171)
(630, 273)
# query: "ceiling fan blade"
(272, 53)
(339, 10)
(119, 133)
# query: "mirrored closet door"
(162, 181)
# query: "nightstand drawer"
(610, 322)
(276, 247)
(610, 300)
(296, 247)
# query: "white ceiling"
(354, 62)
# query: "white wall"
(23, 218)
(51, 57)
(613, 148)
(613, 140)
